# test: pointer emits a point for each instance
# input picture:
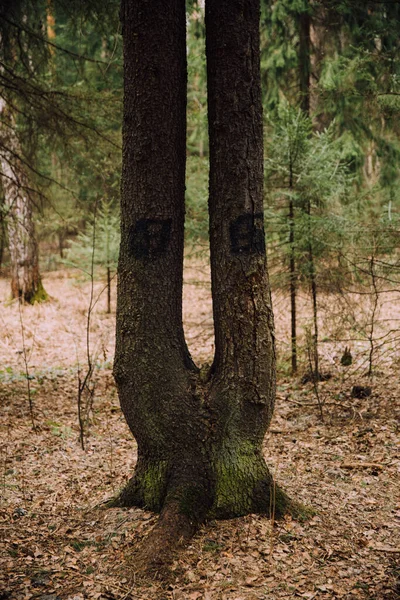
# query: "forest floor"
(58, 542)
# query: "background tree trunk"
(2, 228)
(304, 24)
(309, 101)
(322, 44)
(25, 277)
(293, 289)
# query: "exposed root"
(186, 507)
(127, 497)
(272, 500)
(157, 551)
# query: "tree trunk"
(25, 278)
(2, 229)
(199, 437)
(313, 285)
(154, 372)
(304, 23)
(293, 288)
(108, 290)
(318, 38)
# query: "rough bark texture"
(243, 381)
(322, 34)
(199, 437)
(155, 375)
(25, 277)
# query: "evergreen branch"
(47, 42)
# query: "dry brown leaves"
(60, 543)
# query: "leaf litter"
(59, 542)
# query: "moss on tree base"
(241, 485)
(181, 513)
(40, 294)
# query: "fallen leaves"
(60, 543)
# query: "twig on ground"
(27, 375)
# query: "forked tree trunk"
(25, 277)
(199, 441)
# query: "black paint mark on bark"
(149, 238)
(247, 234)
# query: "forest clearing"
(59, 542)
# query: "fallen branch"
(361, 465)
(386, 549)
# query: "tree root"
(272, 501)
(127, 497)
(185, 509)
(157, 551)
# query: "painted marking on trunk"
(149, 238)
(247, 234)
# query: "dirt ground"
(58, 542)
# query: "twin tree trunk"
(199, 437)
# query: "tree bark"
(293, 288)
(309, 102)
(304, 24)
(2, 228)
(243, 383)
(155, 375)
(313, 285)
(318, 38)
(25, 277)
(199, 435)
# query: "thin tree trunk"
(309, 102)
(318, 38)
(25, 278)
(304, 22)
(108, 290)
(61, 238)
(313, 285)
(375, 302)
(50, 24)
(2, 228)
(315, 316)
(293, 289)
